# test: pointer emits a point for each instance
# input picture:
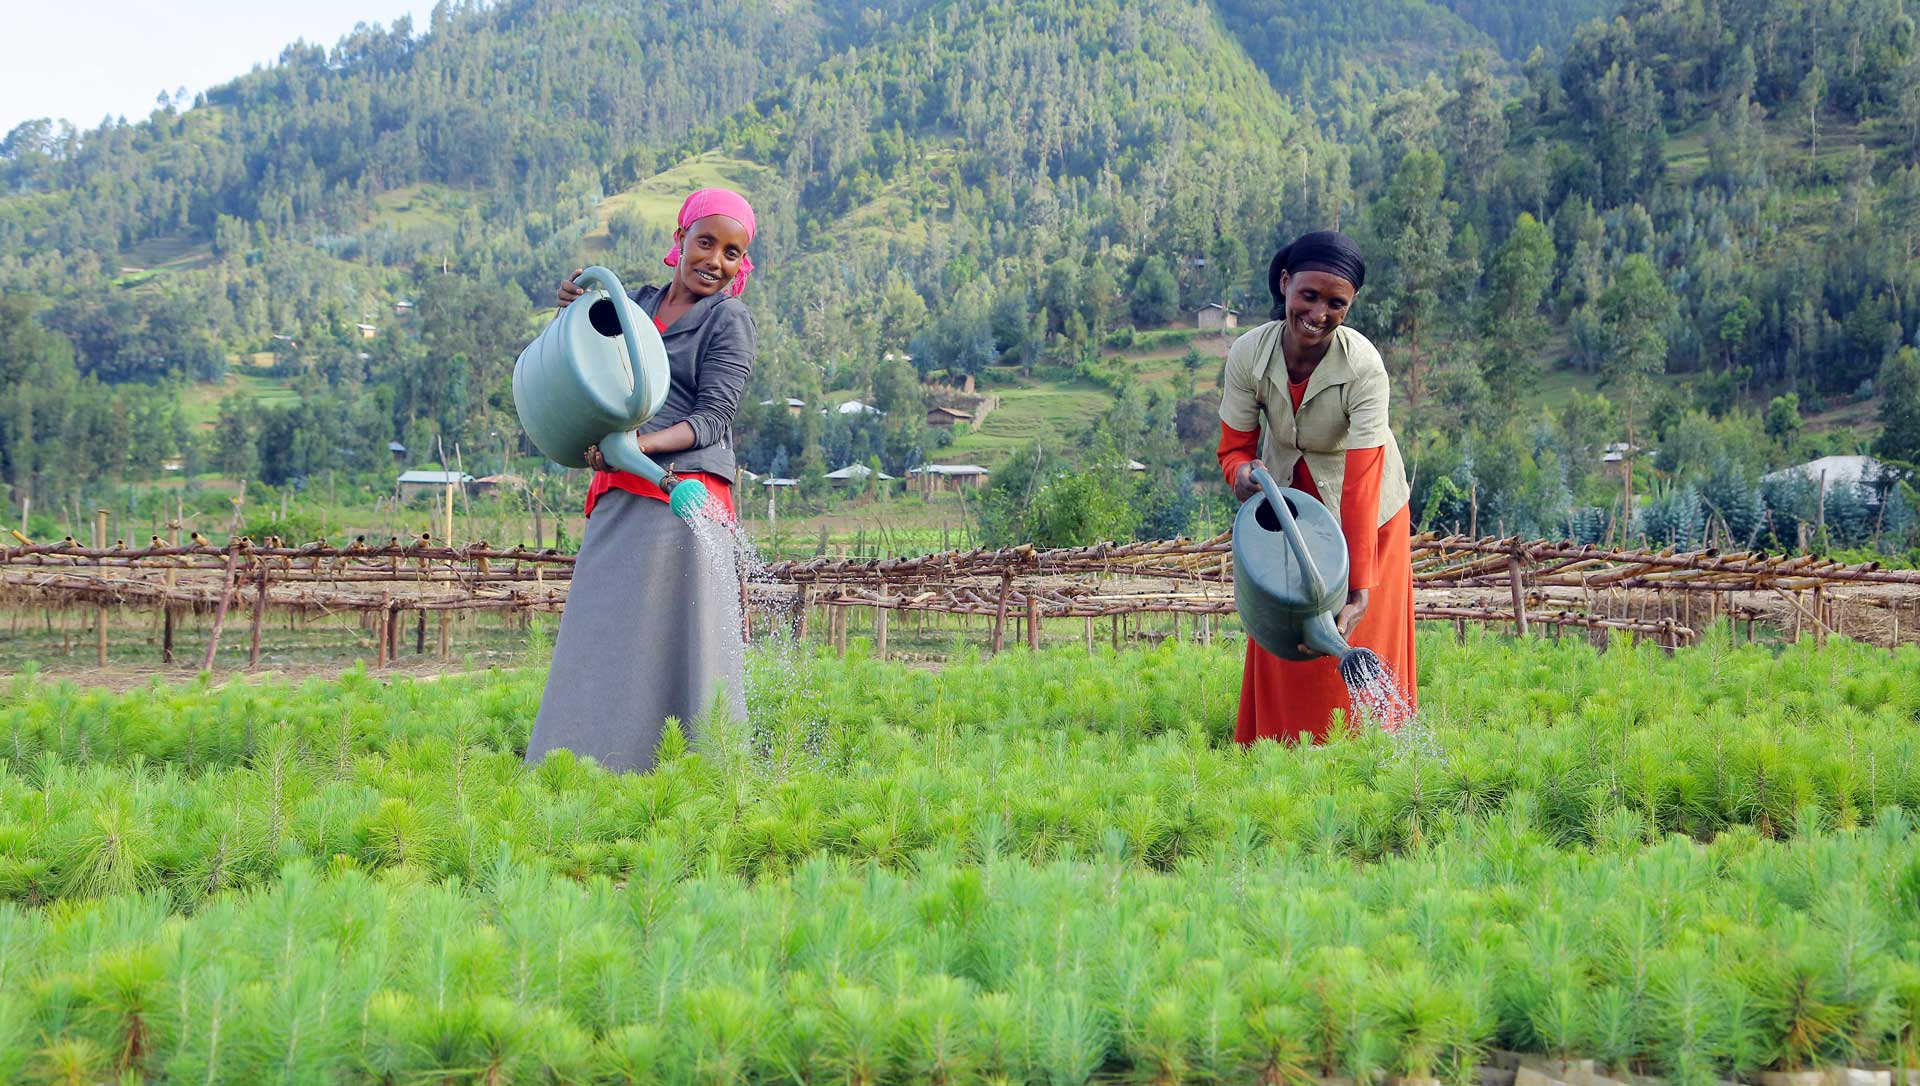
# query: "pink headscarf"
(726, 202)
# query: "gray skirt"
(651, 630)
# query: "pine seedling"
(1613, 1012)
(795, 1041)
(1416, 1017)
(859, 1034)
(673, 743)
(559, 1051)
(1219, 1018)
(1004, 1039)
(121, 997)
(1903, 1038)
(112, 853)
(722, 1028)
(937, 1040)
(70, 1061)
(500, 1040)
(1738, 1041)
(1072, 1037)
(1162, 1052)
(1276, 1049)
(399, 834)
(1335, 979)
(15, 1046)
(1801, 1006)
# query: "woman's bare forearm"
(676, 438)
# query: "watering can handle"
(606, 280)
(1315, 586)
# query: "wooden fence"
(1524, 584)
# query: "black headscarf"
(1327, 251)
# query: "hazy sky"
(84, 62)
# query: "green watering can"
(1289, 572)
(592, 377)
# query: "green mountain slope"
(988, 187)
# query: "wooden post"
(446, 622)
(380, 639)
(1033, 622)
(802, 604)
(1518, 579)
(166, 622)
(100, 612)
(1000, 613)
(420, 631)
(220, 609)
(1176, 627)
(880, 627)
(1116, 632)
(259, 613)
(1089, 635)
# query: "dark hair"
(1329, 251)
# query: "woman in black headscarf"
(1318, 390)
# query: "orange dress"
(1287, 700)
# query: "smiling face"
(710, 253)
(1316, 304)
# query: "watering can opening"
(1264, 516)
(603, 318)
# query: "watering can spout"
(622, 452)
(1323, 637)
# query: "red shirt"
(720, 489)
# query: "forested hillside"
(1710, 208)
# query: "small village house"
(853, 475)
(942, 478)
(947, 416)
(1216, 317)
(488, 484)
(366, 330)
(418, 481)
(1865, 472)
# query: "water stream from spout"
(1378, 700)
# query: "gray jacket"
(709, 354)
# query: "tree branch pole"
(220, 614)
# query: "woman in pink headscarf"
(652, 624)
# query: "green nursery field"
(1048, 868)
